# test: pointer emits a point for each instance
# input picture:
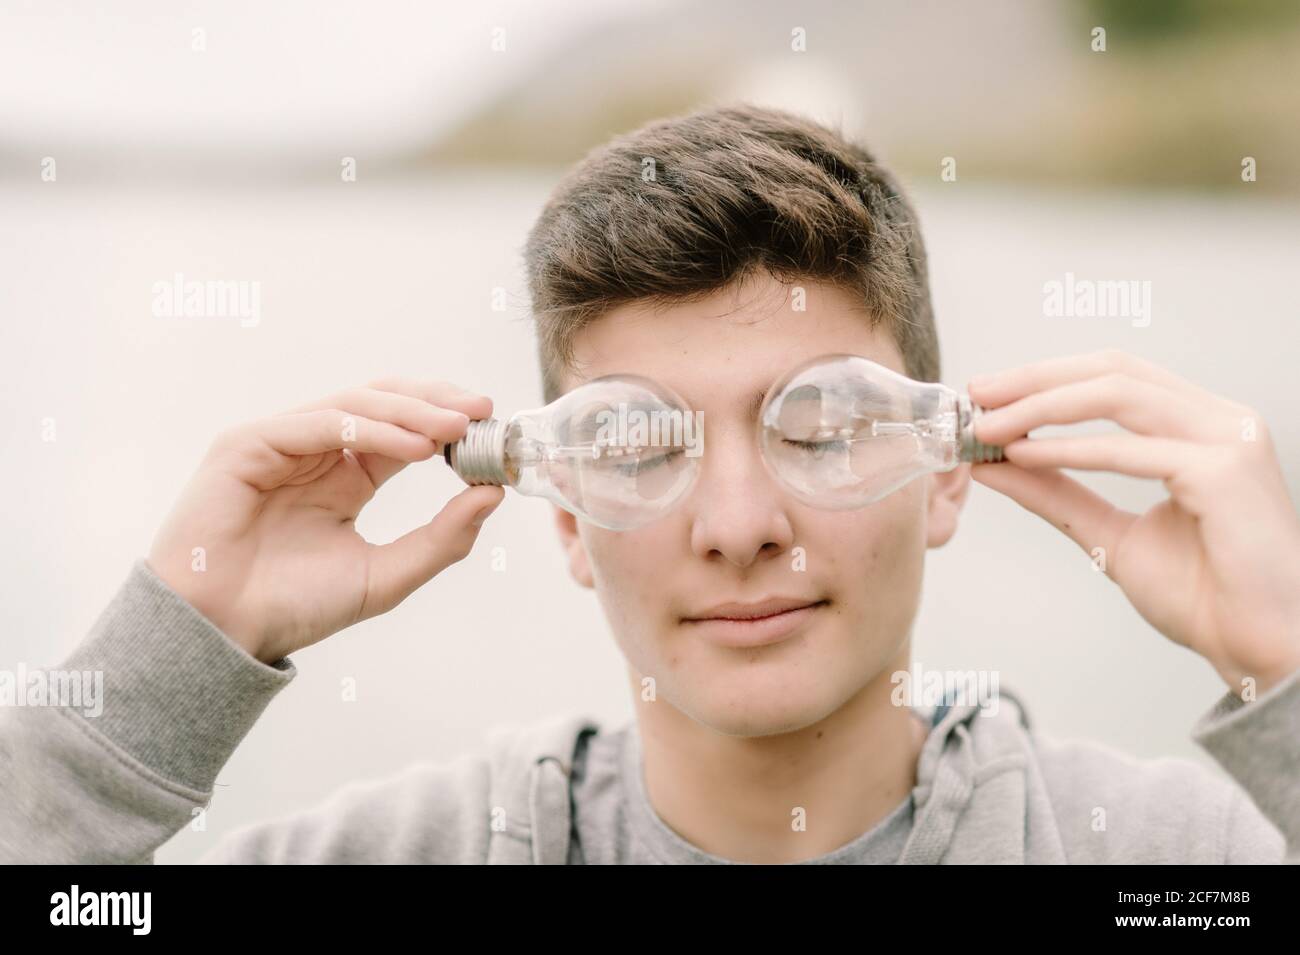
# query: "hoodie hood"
(978, 795)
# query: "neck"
(736, 797)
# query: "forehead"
(726, 349)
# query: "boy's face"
(739, 537)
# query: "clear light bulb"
(842, 431)
(619, 451)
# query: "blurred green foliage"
(1172, 19)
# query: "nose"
(738, 513)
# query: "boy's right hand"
(273, 507)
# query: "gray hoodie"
(180, 696)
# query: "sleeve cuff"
(1258, 743)
(178, 694)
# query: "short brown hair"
(730, 190)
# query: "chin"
(747, 698)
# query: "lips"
(748, 626)
(753, 611)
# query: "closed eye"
(817, 447)
(640, 465)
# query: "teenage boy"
(767, 727)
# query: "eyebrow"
(756, 404)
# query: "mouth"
(741, 626)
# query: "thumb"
(398, 569)
(1081, 515)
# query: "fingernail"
(482, 515)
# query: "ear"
(948, 492)
(574, 548)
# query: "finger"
(399, 568)
(441, 393)
(332, 429)
(437, 409)
(1086, 518)
(1000, 388)
(1135, 403)
(1131, 454)
(444, 397)
(439, 424)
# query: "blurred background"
(375, 168)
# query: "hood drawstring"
(528, 787)
(949, 794)
(948, 773)
(550, 811)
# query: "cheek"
(624, 567)
(879, 549)
(616, 556)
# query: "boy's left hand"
(1216, 566)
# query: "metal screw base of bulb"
(480, 456)
(969, 449)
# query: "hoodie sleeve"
(433, 813)
(1258, 743)
(178, 696)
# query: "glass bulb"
(842, 431)
(619, 451)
